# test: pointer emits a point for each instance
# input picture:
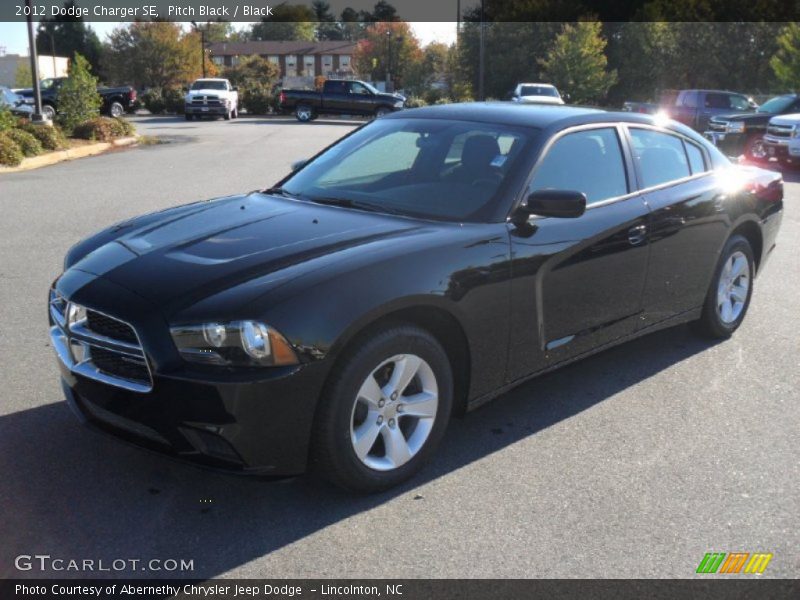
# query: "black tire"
(333, 456)
(49, 111)
(754, 148)
(188, 117)
(115, 109)
(227, 115)
(304, 113)
(711, 324)
(235, 113)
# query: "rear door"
(686, 225)
(577, 283)
(335, 97)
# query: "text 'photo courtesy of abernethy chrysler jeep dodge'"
(418, 267)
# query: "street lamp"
(37, 116)
(202, 44)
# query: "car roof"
(539, 116)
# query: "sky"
(14, 36)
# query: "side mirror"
(297, 165)
(234, 89)
(561, 204)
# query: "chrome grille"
(717, 125)
(98, 346)
(780, 131)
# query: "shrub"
(153, 100)
(101, 129)
(7, 119)
(10, 152)
(51, 138)
(257, 99)
(29, 145)
(123, 127)
(78, 99)
(174, 100)
(415, 102)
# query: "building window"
(309, 67)
(344, 61)
(273, 59)
(327, 61)
(218, 60)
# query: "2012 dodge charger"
(414, 269)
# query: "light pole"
(481, 55)
(37, 92)
(202, 45)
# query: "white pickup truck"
(782, 140)
(536, 93)
(211, 97)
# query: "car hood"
(205, 248)
(793, 119)
(750, 117)
(540, 100)
(208, 92)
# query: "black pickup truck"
(339, 97)
(741, 133)
(116, 100)
(696, 107)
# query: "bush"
(78, 99)
(29, 145)
(51, 138)
(257, 99)
(10, 153)
(415, 102)
(123, 127)
(160, 100)
(7, 119)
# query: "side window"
(335, 87)
(357, 88)
(690, 99)
(739, 103)
(697, 161)
(660, 156)
(717, 101)
(585, 161)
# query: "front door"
(577, 283)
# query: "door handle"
(637, 234)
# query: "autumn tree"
(577, 64)
(155, 54)
(387, 48)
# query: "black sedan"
(413, 270)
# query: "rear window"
(697, 161)
(660, 156)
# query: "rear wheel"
(48, 111)
(754, 148)
(116, 109)
(304, 113)
(385, 412)
(731, 288)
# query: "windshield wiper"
(359, 204)
(279, 191)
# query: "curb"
(52, 158)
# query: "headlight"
(187, 98)
(796, 132)
(735, 127)
(240, 343)
(398, 104)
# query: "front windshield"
(205, 84)
(776, 105)
(440, 169)
(46, 84)
(538, 90)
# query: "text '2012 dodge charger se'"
(413, 270)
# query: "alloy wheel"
(394, 412)
(733, 287)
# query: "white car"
(536, 93)
(782, 140)
(211, 97)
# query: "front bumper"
(191, 109)
(250, 421)
(782, 149)
(730, 144)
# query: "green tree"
(577, 64)
(78, 100)
(786, 61)
(154, 54)
(253, 70)
(290, 22)
(23, 78)
(327, 26)
(64, 36)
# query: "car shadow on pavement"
(70, 493)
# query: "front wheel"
(731, 288)
(48, 111)
(385, 412)
(754, 148)
(116, 109)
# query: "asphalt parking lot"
(633, 463)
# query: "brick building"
(295, 58)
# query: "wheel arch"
(441, 323)
(751, 231)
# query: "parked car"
(415, 269)
(211, 97)
(339, 97)
(782, 139)
(742, 133)
(116, 100)
(536, 93)
(696, 107)
(15, 103)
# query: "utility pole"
(37, 92)
(202, 44)
(481, 55)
